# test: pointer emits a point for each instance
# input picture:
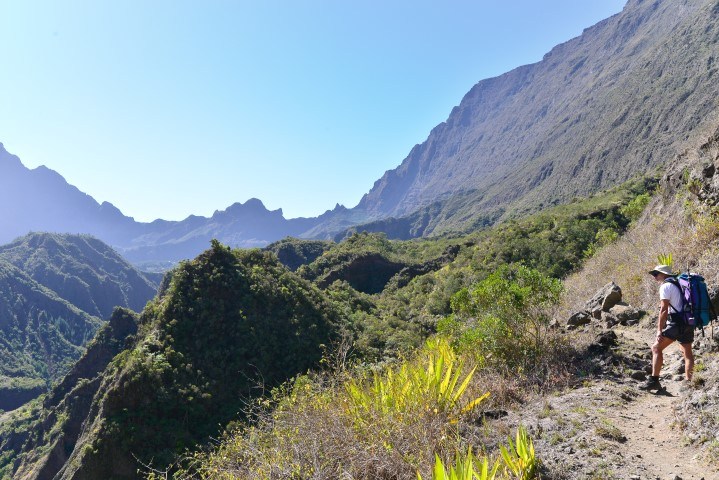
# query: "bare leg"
(686, 349)
(658, 355)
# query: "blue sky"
(167, 108)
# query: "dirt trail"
(607, 429)
(654, 441)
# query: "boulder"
(609, 319)
(607, 339)
(608, 296)
(597, 313)
(579, 318)
(602, 342)
(626, 313)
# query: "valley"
(455, 323)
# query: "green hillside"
(41, 336)
(230, 326)
(82, 270)
(54, 292)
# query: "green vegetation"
(416, 299)
(41, 335)
(503, 320)
(54, 290)
(231, 325)
(414, 387)
(466, 467)
(394, 421)
(518, 461)
(81, 270)
(294, 253)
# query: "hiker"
(670, 327)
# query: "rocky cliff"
(621, 99)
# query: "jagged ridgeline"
(55, 290)
(229, 325)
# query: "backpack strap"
(675, 282)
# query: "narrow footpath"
(607, 429)
(652, 429)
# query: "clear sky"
(167, 108)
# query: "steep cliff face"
(619, 100)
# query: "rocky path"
(655, 441)
(607, 429)
(651, 427)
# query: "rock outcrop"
(606, 306)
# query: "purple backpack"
(696, 308)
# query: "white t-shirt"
(669, 291)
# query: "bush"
(504, 319)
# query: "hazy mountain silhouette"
(41, 200)
(621, 99)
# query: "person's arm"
(663, 315)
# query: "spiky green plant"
(434, 386)
(666, 259)
(466, 467)
(519, 458)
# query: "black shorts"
(680, 332)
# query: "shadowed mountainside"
(55, 290)
(41, 336)
(82, 270)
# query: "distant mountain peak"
(253, 206)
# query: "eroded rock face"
(607, 297)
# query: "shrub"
(518, 461)
(505, 317)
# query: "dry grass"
(321, 430)
(349, 430)
(670, 225)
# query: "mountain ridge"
(57, 206)
(596, 109)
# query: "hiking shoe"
(650, 384)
